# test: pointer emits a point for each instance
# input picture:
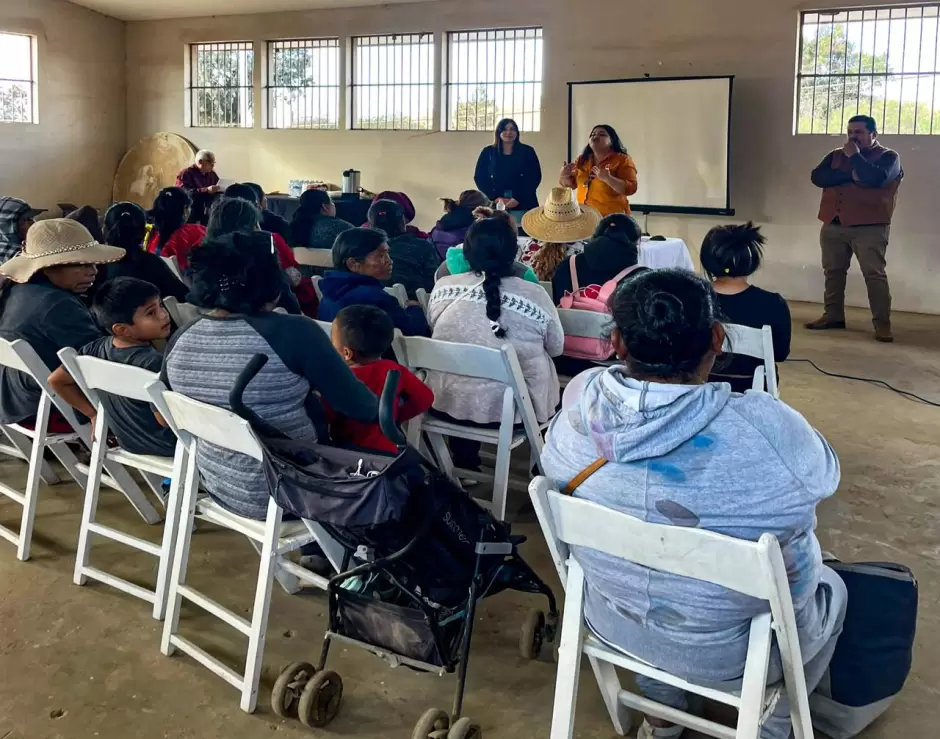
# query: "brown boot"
(883, 334)
(824, 324)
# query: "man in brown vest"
(860, 185)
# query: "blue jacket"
(341, 289)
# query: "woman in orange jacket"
(604, 175)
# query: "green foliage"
(223, 80)
(478, 113)
(15, 104)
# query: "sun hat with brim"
(561, 220)
(54, 242)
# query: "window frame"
(32, 82)
(449, 86)
(192, 89)
(878, 107)
(432, 84)
(270, 89)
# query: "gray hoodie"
(693, 455)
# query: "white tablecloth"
(668, 253)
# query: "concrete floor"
(77, 663)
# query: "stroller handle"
(387, 410)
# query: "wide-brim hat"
(561, 220)
(57, 241)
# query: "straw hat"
(561, 220)
(57, 241)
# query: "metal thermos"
(351, 182)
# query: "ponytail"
(170, 210)
(125, 226)
(305, 217)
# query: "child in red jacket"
(362, 334)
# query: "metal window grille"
(17, 78)
(221, 85)
(493, 75)
(303, 83)
(882, 62)
(393, 82)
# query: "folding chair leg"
(70, 462)
(754, 684)
(186, 488)
(609, 683)
(90, 506)
(569, 656)
(32, 480)
(261, 609)
(290, 583)
(23, 444)
(133, 492)
(501, 472)
(170, 527)
(442, 453)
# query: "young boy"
(362, 334)
(131, 312)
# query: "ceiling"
(142, 10)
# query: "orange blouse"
(599, 194)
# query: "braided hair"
(490, 250)
(665, 318)
(732, 251)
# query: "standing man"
(860, 185)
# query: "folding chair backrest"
(181, 313)
(584, 323)
(316, 286)
(424, 300)
(92, 373)
(214, 425)
(10, 357)
(757, 343)
(174, 266)
(468, 360)
(19, 355)
(398, 292)
(547, 286)
(327, 327)
(322, 258)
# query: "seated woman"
(87, 215)
(684, 452)
(125, 226)
(413, 259)
(407, 207)
(201, 181)
(488, 306)
(613, 248)
(40, 303)
(171, 235)
(362, 266)
(270, 221)
(731, 254)
(558, 230)
(237, 280)
(230, 215)
(315, 224)
(455, 262)
(458, 217)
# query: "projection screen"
(678, 131)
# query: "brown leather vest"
(855, 205)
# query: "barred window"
(881, 62)
(303, 83)
(17, 78)
(493, 75)
(393, 82)
(221, 85)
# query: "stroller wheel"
(532, 635)
(289, 685)
(319, 703)
(432, 725)
(465, 729)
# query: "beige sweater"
(532, 327)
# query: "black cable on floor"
(882, 383)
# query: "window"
(393, 82)
(881, 62)
(493, 75)
(17, 78)
(303, 83)
(221, 79)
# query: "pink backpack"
(592, 298)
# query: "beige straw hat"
(57, 241)
(561, 220)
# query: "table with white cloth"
(666, 253)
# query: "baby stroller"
(419, 555)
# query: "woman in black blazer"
(509, 170)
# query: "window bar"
(845, 72)
(936, 51)
(920, 51)
(903, 69)
(861, 56)
(884, 113)
(874, 56)
(812, 123)
(832, 38)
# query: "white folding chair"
(500, 365)
(757, 343)
(547, 286)
(19, 355)
(756, 569)
(198, 421)
(181, 313)
(322, 258)
(93, 375)
(327, 326)
(424, 300)
(315, 280)
(174, 266)
(398, 292)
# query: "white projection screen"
(677, 131)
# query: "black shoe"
(824, 324)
